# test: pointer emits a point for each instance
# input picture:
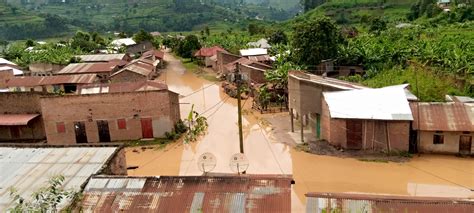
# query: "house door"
(147, 128)
(354, 134)
(318, 126)
(103, 128)
(465, 144)
(15, 132)
(80, 130)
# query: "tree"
(187, 46)
(30, 43)
(377, 25)
(255, 29)
(142, 35)
(207, 31)
(122, 35)
(83, 41)
(311, 4)
(278, 37)
(315, 40)
(45, 200)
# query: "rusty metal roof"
(452, 117)
(140, 66)
(188, 194)
(209, 51)
(16, 119)
(101, 57)
(122, 87)
(158, 54)
(83, 68)
(31, 81)
(29, 169)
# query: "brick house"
(156, 56)
(50, 84)
(444, 127)
(223, 59)
(367, 119)
(140, 48)
(103, 70)
(137, 70)
(105, 117)
(209, 55)
(305, 95)
(20, 117)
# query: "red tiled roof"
(16, 119)
(452, 117)
(30, 81)
(188, 194)
(208, 51)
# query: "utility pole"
(238, 81)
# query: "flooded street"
(422, 176)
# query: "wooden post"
(292, 124)
(238, 80)
(302, 128)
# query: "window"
(60, 127)
(122, 124)
(438, 138)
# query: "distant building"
(8, 70)
(28, 169)
(244, 193)
(262, 43)
(156, 56)
(257, 54)
(50, 84)
(122, 42)
(444, 127)
(209, 55)
(140, 48)
(137, 70)
(121, 87)
(444, 4)
(367, 119)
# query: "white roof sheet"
(389, 103)
(262, 43)
(5, 61)
(410, 96)
(100, 57)
(29, 169)
(253, 51)
(123, 41)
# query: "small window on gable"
(122, 124)
(438, 139)
(60, 127)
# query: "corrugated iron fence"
(358, 203)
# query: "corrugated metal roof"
(209, 51)
(30, 81)
(16, 119)
(253, 52)
(158, 54)
(5, 61)
(101, 57)
(123, 41)
(260, 58)
(389, 103)
(122, 87)
(189, 194)
(443, 116)
(140, 66)
(325, 81)
(83, 68)
(14, 70)
(29, 169)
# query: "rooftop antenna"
(239, 163)
(207, 162)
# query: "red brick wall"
(223, 59)
(161, 106)
(255, 75)
(5, 75)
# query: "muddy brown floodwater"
(427, 175)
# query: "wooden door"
(15, 132)
(147, 128)
(80, 130)
(465, 144)
(354, 134)
(104, 133)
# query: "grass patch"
(162, 142)
(373, 160)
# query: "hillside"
(131, 15)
